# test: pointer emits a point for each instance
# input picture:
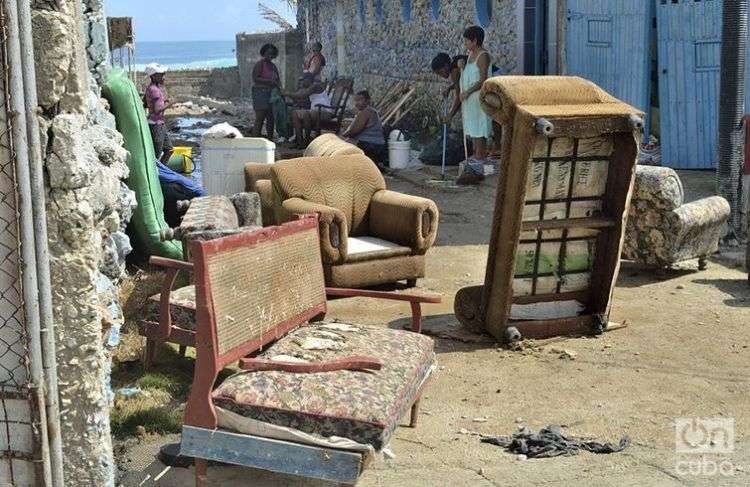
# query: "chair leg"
(702, 263)
(150, 354)
(183, 351)
(414, 414)
(201, 472)
(416, 317)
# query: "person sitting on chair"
(366, 131)
(304, 120)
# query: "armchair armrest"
(415, 300)
(269, 203)
(173, 267)
(255, 172)
(332, 227)
(697, 227)
(404, 219)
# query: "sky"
(194, 20)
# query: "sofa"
(663, 230)
(368, 234)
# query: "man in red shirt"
(157, 104)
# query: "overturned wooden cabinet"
(567, 170)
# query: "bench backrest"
(254, 287)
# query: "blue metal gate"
(689, 65)
(607, 42)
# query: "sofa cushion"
(360, 249)
(346, 183)
(361, 406)
(181, 308)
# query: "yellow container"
(183, 151)
(182, 160)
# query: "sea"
(186, 54)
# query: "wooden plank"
(550, 328)
(580, 296)
(591, 222)
(497, 297)
(584, 127)
(617, 200)
(272, 455)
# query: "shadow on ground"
(738, 289)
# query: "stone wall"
(289, 62)
(88, 207)
(220, 83)
(385, 48)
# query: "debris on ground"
(564, 354)
(550, 442)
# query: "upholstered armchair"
(661, 230)
(368, 234)
(326, 145)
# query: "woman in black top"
(265, 79)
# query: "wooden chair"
(256, 296)
(341, 90)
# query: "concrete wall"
(88, 207)
(386, 48)
(221, 83)
(289, 62)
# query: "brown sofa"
(369, 235)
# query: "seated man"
(303, 120)
(366, 131)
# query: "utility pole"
(732, 108)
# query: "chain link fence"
(20, 455)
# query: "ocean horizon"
(182, 55)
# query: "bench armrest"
(355, 363)
(173, 267)
(332, 226)
(415, 300)
(404, 219)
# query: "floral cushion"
(362, 406)
(181, 307)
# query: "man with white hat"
(156, 103)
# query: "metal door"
(535, 36)
(689, 64)
(607, 42)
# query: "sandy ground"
(684, 353)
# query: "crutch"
(445, 136)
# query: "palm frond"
(273, 16)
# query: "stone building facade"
(88, 208)
(384, 41)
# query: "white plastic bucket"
(399, 154)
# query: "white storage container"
(223, 162)
(399, 154)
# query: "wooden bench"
(305, 383)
